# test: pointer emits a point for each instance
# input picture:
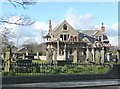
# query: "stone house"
(68, 43)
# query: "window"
(61, 37)
(65, 37)
(75, 38)
(96, 38)
(64, 27)
(99, 38)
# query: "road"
(93, 84)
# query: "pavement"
(92, 84)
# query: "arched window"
(64, 27)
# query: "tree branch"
(23, 3)
(23, 21)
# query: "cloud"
(40, 26)
(113, 40)
(115, 26)
(84, 22)
(79, 21)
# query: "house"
(68, 43)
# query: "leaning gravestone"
(97, 57)
(7, 59)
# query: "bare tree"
(31, 44)
(23, 3)
(6, 34)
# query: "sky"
(80, 15)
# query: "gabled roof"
(90, 38)
(88, 32)
(21, 48)
(64, 22)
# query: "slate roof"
(82, 35)
(88, 32)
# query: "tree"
(6, 34)
(31, 45)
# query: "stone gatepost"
(102, 53)
(8, 59)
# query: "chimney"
(102, 28)
(50, 26)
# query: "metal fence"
(18, 69)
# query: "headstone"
(23, 56)
(75, 59)
(37, 55)
(27, 53)
(49, 56)
(89, 56)
(97, 57)
(93, 53)
(55, 56)
(118, 56)
(108, 56)
(102, 53)
(65, 53)
(7, 59)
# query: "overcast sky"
(80, 15)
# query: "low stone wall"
(113, 73)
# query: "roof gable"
(59, 29)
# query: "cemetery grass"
(51, 70)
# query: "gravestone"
(102, 53)
(37, 55)
(49, 55)
(75, 59)
(97, 57)
(7, 59)
(118, 56)
(55, 56)
(89, 56)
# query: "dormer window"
(64, 27)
